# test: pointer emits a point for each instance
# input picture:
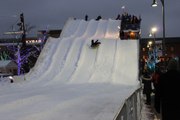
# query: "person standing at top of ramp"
(86, 17)
(98, 18)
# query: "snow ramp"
(71, 80)
(70, 59)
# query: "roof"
(167, 39)
(5, 63)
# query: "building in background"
(8, 67)
(130, 27)
(24, 57)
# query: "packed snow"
(71, 80)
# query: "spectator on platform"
(98, 18)
(86, 17)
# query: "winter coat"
(146, 80)
(169, 95)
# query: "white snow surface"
(71, 80)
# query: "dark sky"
(52, 14)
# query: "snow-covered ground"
(73, 81)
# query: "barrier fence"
(131, 109)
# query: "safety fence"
(131, 109)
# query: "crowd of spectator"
(129, 21)
(164, 84)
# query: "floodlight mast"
(154, 4)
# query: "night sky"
(52, 14)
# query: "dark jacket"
(169, 93)
(146, 80)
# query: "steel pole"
(164, 33)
